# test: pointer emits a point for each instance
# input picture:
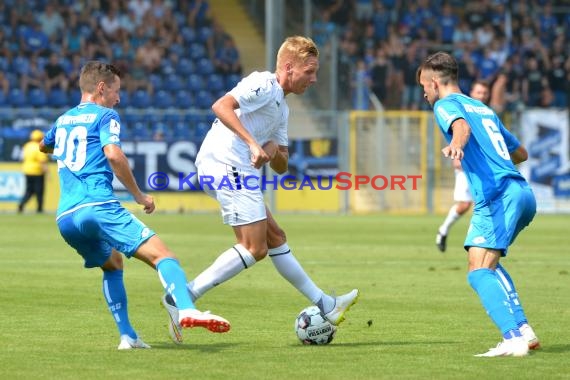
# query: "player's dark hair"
(94, 72)
(443, 64)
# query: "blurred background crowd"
(174, 54)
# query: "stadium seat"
(163, 130)
(3, 100)
(204, 33)
(140, 131)
(185, 66)
(184, 99)
(232, 80)
(216, 83)
(182, 131)
(125, 98)
(173, 82)
(37, 97)
(197, 51)
(188, 34)
(17, 98)
(140, 99)
(201, 130)
(75, 97)
(162, 99)
(204, 99)
(204, 66)
(157, 81)
(195, 83)
(58, 98)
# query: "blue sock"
(116, 297)
(494, 300)
(174, 281)
(507, 283)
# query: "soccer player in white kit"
(251, 130)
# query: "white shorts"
(461, 192)
(241, 201)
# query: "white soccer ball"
(312, 327)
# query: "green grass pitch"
(417, 318)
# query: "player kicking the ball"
(251, 130)
(85, 141)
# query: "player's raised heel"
(342, 304)
(530, 337)
(212, 322)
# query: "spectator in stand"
(150, 55)
(216, 39)
(380, 74)
(547, 24)
(136, 77)
(462, 38)
(488, 67)
(139, 8)
(33, 40)
(198, 14)
(411, 95)
(533, 83)
(73, 41)
(98, 47)
(33, 76)
(56, 76)
(51, 22)
(227, 60)
(74, 70)
(381, 21)
(361, 87)
(110, 22)
(4, 84)
(447, 24)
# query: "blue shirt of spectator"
(34, 40)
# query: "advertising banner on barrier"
(545, 133)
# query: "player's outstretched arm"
(120, 166)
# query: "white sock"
(452, 217)
(226, 266)
(288, 267)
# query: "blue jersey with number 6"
(78, 138)
(487, 162)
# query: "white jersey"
(263, 113)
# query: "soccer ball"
(312, 327)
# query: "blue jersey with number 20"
(487, 162)
(78, 138)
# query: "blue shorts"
(496, 224)
(94, 230)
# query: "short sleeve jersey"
(487, 162)
(78, 138)
(263, 112)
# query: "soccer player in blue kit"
(504, 202)
(85, 141)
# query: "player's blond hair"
(296, 48)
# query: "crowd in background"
(44, 43)
(173, 46)
(520, 45)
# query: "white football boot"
(128, 343)
(516, 346)
(174, 328)
(341, 306)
